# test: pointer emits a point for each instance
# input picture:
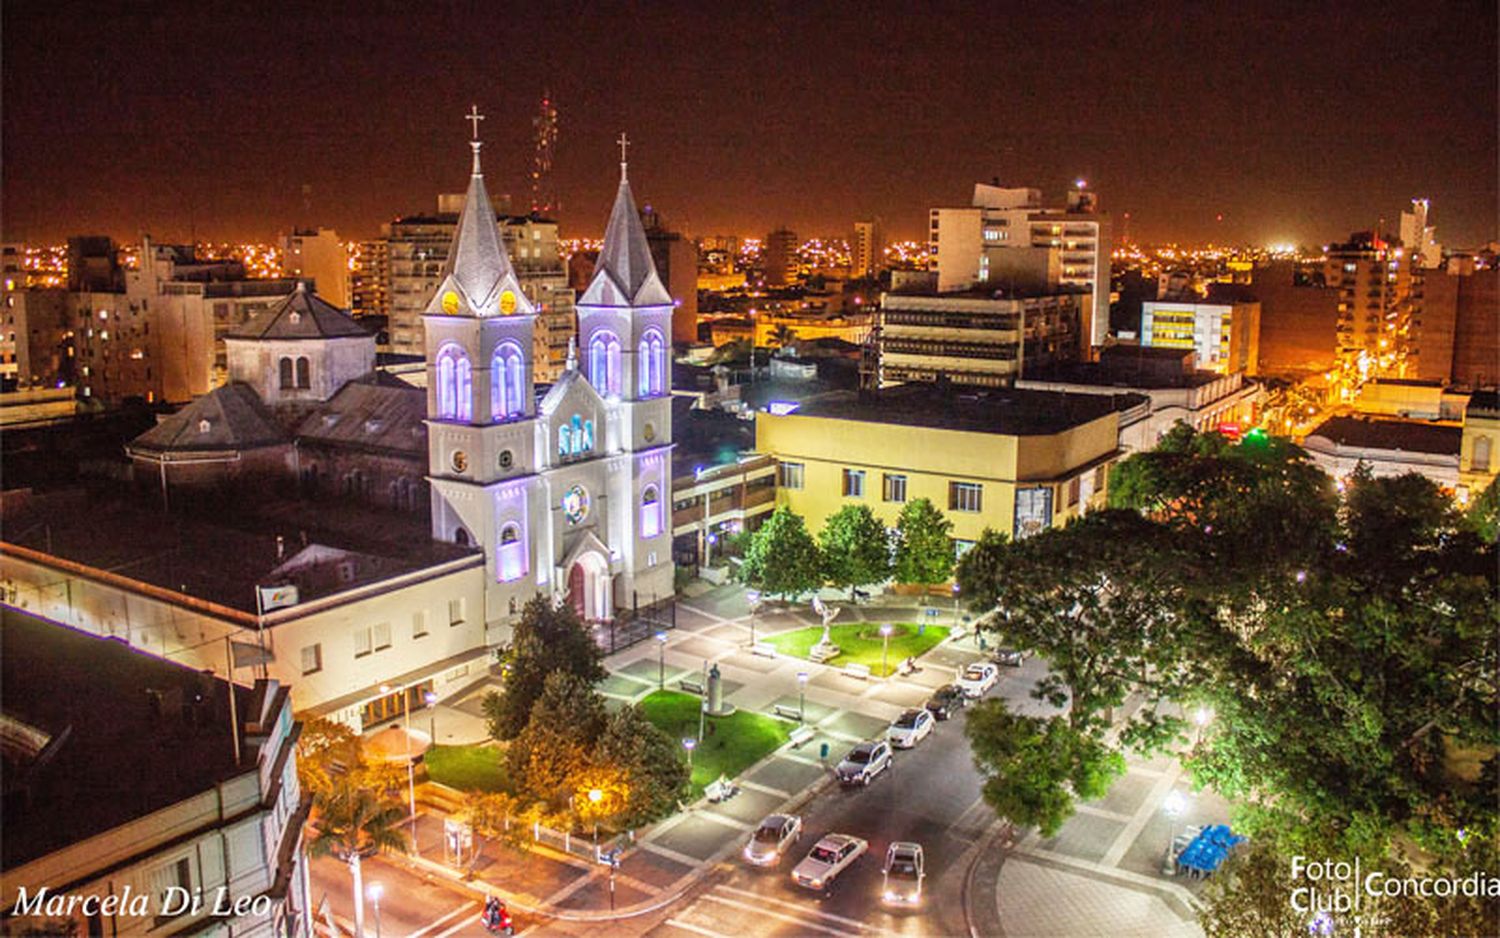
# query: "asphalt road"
(931, 795)
(411, 905)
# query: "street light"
(374, 891)
(596, 796)
(753, 598)
(411, 772)
(661, 660)
(1202, 718)
(431, 699)
(801, 696)
(1172, 807)
(688, 743)
(885, 649)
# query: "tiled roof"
(302, 315)
(373, 412)
(224, 419)
(1413, 436)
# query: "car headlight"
(891, 896)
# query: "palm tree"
(783, 335)
(353, 824)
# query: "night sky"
(1299, 123)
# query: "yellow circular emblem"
(649, 432)
(507, 302)
(450, 302)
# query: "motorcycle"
(496, 918)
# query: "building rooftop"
(376, 413)
(99, 734)
(219, 551)
(992, 291)
(302, 315)
(1413, 436)
(1011, 412)
(707, 438)
(1485, 403)
(226, 419)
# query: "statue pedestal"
(823, 651)
(713, 701)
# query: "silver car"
(864, 762)
(905, 868)
(829, 857)
(772, 839)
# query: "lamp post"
(801, 697)
(753, 597)
(885, 650)
(595, 796)
(431, 700)
(1202, 718)
(411, 773)
(955, 605)
(661, 660)
(1172, 807)
(374, 891)
(688, 743)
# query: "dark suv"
(946, 701)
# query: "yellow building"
(853, 328)
(1014, 461)
(1480, 448)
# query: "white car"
(772, 839)
(904, 872)
(910, 728)
(829, 857)
(977, 679)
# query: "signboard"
(1033, 511)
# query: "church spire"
(625, 275)
(478, 275)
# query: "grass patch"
(467, 768)
(861, 643)
(730, 744)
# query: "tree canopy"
(782, 557)
(924, 545)
(546, 640)
(855, 548)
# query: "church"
(567, 487)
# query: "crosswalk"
(723, 912)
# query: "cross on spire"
(624, 143)
(474, 117)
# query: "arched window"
(653, 363)
(510, 559)
(287, 381)
(304, 373)
(507, 378)
(1481, 460)
(454, 384)
(461, 537)
(650, 512)
(604, 363)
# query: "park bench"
(764, 649)
(855, 670)
(788, 713)
(801, 735)
(691, 685)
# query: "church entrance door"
(589, 588)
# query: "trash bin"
(823, 752)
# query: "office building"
(1299, 317)
(779, 257)
(1223, 335)
(982, 336)
(317, 255)
(203, 792)
(1012, 461)
(1006, 237)
(369, 278)
(1420, 238)
(866, 250)
(1459, 334)
(1379, 309)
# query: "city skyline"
(741, 122)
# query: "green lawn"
(467, 768)
(730, 744)
(860, 643)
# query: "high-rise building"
(1420, 238)
(975, 336)
(866, 249)
(369, 277)
(417, 247)
(1298, 319)
(1379, 308)
(779, 257)
(318, 255)
(676, 259)
(1459, 339)
(1008, 238)
(1224, 335)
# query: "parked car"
(863, 763)
(1009, 657)
(910, 728)
(905, 868)
(829, 857)
(977, 679)
(773, 838)
(946, 701)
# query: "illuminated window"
(507, 375)
(510, 561)
(650, 512)
(604, 363)
(650, 364)
(1481, 460)
(454, 384)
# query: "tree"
(855, 548)
(783, 335)
(1034, 767)
(1483, 517)
(782, 558)
(352, 824)
(924, 545)
(546, 640)
(647, 762)
(325, 750)
(552, 751)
